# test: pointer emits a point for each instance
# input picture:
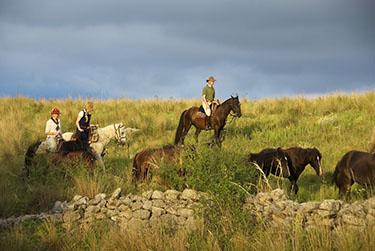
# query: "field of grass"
(333, 124)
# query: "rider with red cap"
(53, 130)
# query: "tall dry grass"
(334, 124)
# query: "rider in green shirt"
(208, 97)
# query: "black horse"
(355, 166)
(193, 116)
(277, 162)
(300, 158)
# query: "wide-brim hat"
(211, 79)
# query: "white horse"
(106, 134)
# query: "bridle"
(119, 137)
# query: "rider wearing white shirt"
(53, 130)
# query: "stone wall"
(176, 209)
(179, 209)
(276, 210)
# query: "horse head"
(120, 131)
(315, 162)
(282, 162)
(235, 106)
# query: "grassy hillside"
(333, 124)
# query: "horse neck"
(224, 108)
(107, 133)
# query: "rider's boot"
(207, 123)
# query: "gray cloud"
(168, 48)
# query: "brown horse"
(193, 116)
(355, 166)
(143, 161)
(300, 158)
(75, 158)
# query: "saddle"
(92, 132)
(202, 114)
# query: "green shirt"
(209, 92)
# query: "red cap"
(55, 111)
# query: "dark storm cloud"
(144, 49)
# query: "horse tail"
(180, 128)
(30, 154)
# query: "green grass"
(334, 124)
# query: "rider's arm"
(77, 122)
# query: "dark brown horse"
(193, 116)
(355, 166)
(300, 158)
(275, 161)
(144, 160)
(75, 158)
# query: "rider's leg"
(52, 144)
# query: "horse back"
(362, 165)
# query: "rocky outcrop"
(276, 210)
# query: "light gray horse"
(106, 134)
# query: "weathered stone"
(98, 198)
(147, 195)
(123, 208)
(264, 198)
(185, 212)
(156, 211)
(100, 216)
(136, 205)
(330, 205)
(147, 205)
(279, 195)
(158, 203)
(171, 210)
(142, 214)
(57, 207)
(309, 206)
(92, 209)
(77, 197)
(116, 193)
(189, 194)
(111, 213)
(250, 199)
(128, 213)
(157, 195)
(171, 194)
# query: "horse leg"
(217, 136)
(197, 132)
(186, 129)
(98, 157)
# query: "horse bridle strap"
(117, 132)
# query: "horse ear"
(280, 151)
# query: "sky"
(168, 48)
